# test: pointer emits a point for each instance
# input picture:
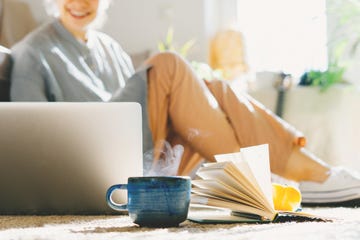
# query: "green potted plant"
(334, 74)
(169, 45)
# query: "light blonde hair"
(52, 9)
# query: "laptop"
(60, 158)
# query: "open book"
(241, 183)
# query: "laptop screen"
(60, 158)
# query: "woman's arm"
(27, 80)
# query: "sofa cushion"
(5, 71)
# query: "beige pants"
(208, 118)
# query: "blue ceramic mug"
(154, 201)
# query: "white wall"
(141, 24)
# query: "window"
(284, 35)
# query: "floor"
(345, 226)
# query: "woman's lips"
(78, 14)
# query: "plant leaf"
(169, 36)
(186, 47)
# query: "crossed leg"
(209, 119)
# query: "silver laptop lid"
(60, 158)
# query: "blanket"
(345, 226)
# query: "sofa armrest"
(5, 71)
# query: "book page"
(220, 189)
(235, 180)
(213, 194)
(242, 172)
(219, 171)
(238, 160)
(257, 158)
(241, 162)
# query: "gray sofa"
(5, 71)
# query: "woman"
(67, 60)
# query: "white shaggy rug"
(347, 226)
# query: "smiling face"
(77, 15)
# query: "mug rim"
(160, 178)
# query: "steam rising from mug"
(167, 165)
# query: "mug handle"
(109, 200)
